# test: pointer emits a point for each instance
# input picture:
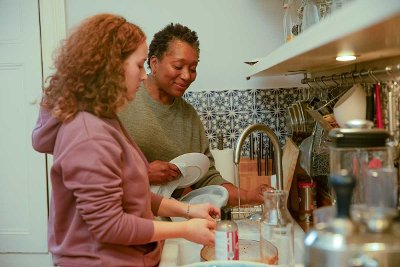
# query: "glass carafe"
(276, 230)
(362, 153)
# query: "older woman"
(102, 210)
(163, 124)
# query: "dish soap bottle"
(226, 237)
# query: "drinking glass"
(310, 15)
(379, 189)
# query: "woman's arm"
(174, 208)
(196, 230)
(251, 197)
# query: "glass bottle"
(226, 237)
(277, 230)
(291, 20)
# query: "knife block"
(248, 168)
(248, 176)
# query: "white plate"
(214, 194)
(193, 166)
(165, 190)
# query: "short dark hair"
(161, 40)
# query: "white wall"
(230, 32)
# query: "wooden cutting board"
(249, 180)
(290, 155)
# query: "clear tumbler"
(276, 230)
(380, 188)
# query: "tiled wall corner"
(229, 112)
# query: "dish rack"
(245, 211)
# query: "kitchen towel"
(224, 163)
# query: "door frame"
(53, 30)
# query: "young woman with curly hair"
(102, 211)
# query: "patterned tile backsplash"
(229, 112)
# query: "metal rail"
(343, 77)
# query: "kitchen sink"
(181, 252)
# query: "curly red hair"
(89, 68)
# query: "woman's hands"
(200, 231)
(250, 197)
(256, 196)
(162, 172)
(205, 211)
(170, 207)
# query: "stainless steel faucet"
(277, 152)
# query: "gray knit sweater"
(164, 132)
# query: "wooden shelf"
(368, 28)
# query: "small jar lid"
(226, 213)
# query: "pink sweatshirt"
(101, 207)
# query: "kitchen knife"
(271, 156)
(258, 158)
(266, 167)
(251, 146)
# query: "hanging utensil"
(370, 104)
(271, 156)
(379, 121)
(378, 107)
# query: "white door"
(23, 182)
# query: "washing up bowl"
(227, 264)
(181, 252)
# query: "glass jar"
(307, 200)
(358, 152)
(276, 230)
